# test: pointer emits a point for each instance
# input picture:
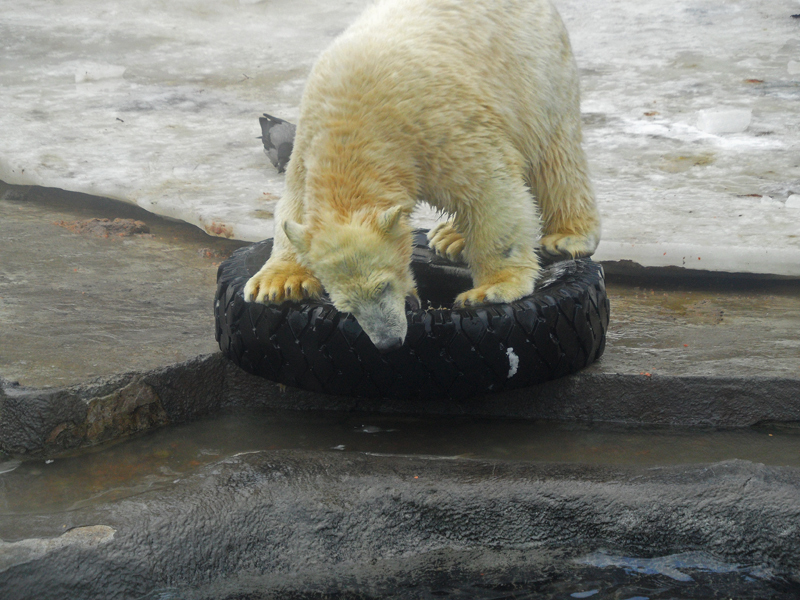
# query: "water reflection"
(160, 458)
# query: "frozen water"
(91, 71)
(157, 103)
(724, 121)
(793, 201)
(668, 566)
(770, 201)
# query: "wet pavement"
(716, 326)
(76, 306)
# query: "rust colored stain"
(219, 229)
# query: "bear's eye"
(383, 288)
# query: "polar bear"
(469, 105)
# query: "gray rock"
(296, 524)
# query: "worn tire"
(558, 330)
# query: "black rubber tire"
(448, 353)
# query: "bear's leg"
(570, 219)
(283, 278)
(446, 241)
(500, 230)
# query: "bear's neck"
(351, 173)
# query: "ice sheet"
(157, 103)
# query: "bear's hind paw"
(446, 241)
(566, 245)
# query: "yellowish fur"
(469, 105)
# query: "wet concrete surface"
(74, 306)
(711, 326)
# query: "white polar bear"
(469, 105)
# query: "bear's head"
(363, 262)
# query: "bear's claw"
(561, 245)
(493, 293)
(446, 241)
(282, 283)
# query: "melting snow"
(724, 121)
(157, 103)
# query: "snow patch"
(770, 201)
(92, 71)
(724, 121)
(169, 95)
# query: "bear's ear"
(296, 234)
(389, 218)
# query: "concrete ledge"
(629, 269)
(287, 521)
(46, 422)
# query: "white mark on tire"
(513, 362)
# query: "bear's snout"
(388, 344)
(384, 323)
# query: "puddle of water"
(690, 576)
(159, 458)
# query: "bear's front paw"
(566, 245)
(494, 293)
(282, 282)
(446, 241)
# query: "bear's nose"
(388, 345)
